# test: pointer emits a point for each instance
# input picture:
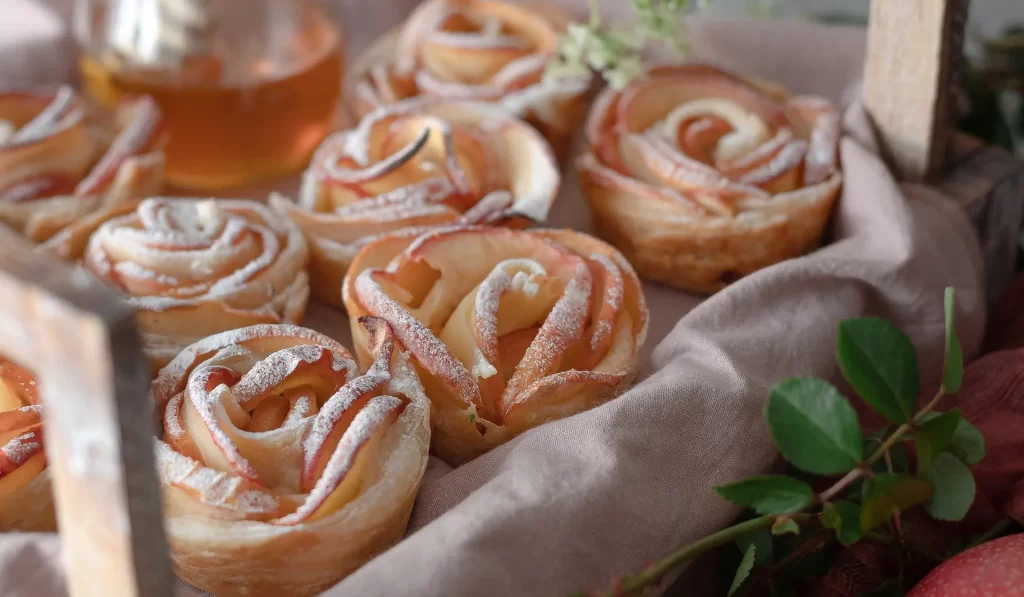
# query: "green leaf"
(880, 363)
(968, 444)
(888, 494)
(932, 436)
(761, 539)
(769, 494)
(743, 571)
(953, 365)
(954, 488)
(786, 526)
(844, 518)
(814, 427)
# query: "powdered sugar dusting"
(172, 417)
(176, 252)
(212, 487)
(275, 368)
(208, 385)
(206, 388)
(788, 157)
(367, 422)
(430, 352)
(512, 275)
(563, 326)
(19, 449)
(376, 376)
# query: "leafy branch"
(615, 53)
(817, 431)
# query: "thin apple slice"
(515, 295)
(345, 472)
(559, 333)
(469, 57)
(211, 493)
(18, 450)
(433, 357)
(22, 475)
(558, 396)
(341, 409)
(345, 170)
(609, 296)
(302, 366)
(141, 131)
(652, 161)
(825, 127)
(48, 120)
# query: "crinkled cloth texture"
(570, 504)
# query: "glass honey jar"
(248, 88)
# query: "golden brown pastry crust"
(192, 268)
(508, 328)
(486, 50)
(26, 500)
(700, 177)
(64, 161)
(420, 163)
(284, 469)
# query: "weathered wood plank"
(912, 53)
(79, 340)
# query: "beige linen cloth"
(573, 503)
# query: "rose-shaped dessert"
(63, 160)
(508, 328)
(699, 176)
(417, 164)
(26, 501)
(485, 50)
(193, 267)
(283, 468)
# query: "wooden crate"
(79, 337)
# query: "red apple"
(993, 569)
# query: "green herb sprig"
(817, 432)
(616, 53)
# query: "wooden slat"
(913, 50)
(79, 340)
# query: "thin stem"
(827, 495)
(906, 427)
(595, 14)
(652, 574)
(882, 450)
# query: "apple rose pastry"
(63, 160)
(487, 50)
(507, 328)
(26, 503)
(700, 177)
(192, 268)
(418, 164)
(283, 468)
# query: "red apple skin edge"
(993, 569)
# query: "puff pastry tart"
(63, 160)
(700, 176)
(489, 50)
(508, 328)
(283, 468)
(420, 163)
(26, 503)
(192, 268)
